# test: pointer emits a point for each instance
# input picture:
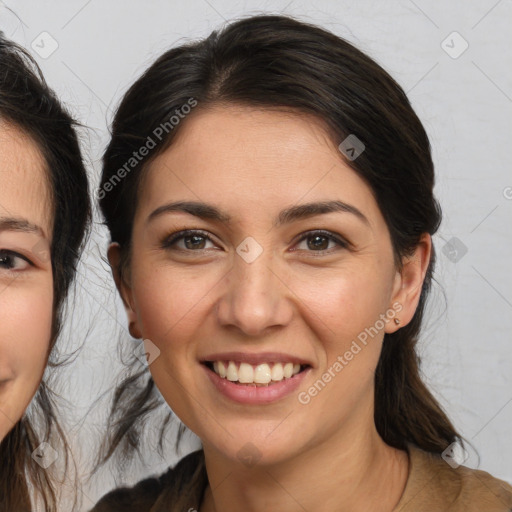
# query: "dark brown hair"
(269, 62)
(28, 103)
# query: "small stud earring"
(397, 321)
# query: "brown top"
(432, 486)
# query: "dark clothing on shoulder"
(179, 488)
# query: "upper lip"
(255, 358)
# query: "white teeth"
(277, 372)
(221, 368)
(263, 373)
(245, 373)
(232, 372)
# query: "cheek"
(25, 331)
(344, 309)
(343, 302)
(171, 307)
(170, 301)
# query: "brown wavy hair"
(267, 62)
(28, 103)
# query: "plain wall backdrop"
(453, 60)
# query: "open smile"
(255, 378)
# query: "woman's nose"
(255, 296)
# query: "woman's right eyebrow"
(286, 216)
(19, 224)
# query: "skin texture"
(294, 298)
(26, 283)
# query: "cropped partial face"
(262, 275)
(26, 284)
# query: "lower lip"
(247, 394)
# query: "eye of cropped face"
(10, 260)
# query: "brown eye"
(10, 260)
(318, 241)
(193, 240)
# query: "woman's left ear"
(409, 282)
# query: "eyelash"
(4, 253)
(172, 239)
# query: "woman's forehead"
(230, 124)
(25, 189)
(254, 156)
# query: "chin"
(254, 448)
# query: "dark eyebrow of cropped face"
(209, 212)
(23, 225)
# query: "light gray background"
(465, 104)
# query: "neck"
(352, 473)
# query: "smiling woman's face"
(26, 285)
(264, 287)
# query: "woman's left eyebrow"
(286, 216)
(302, 211)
